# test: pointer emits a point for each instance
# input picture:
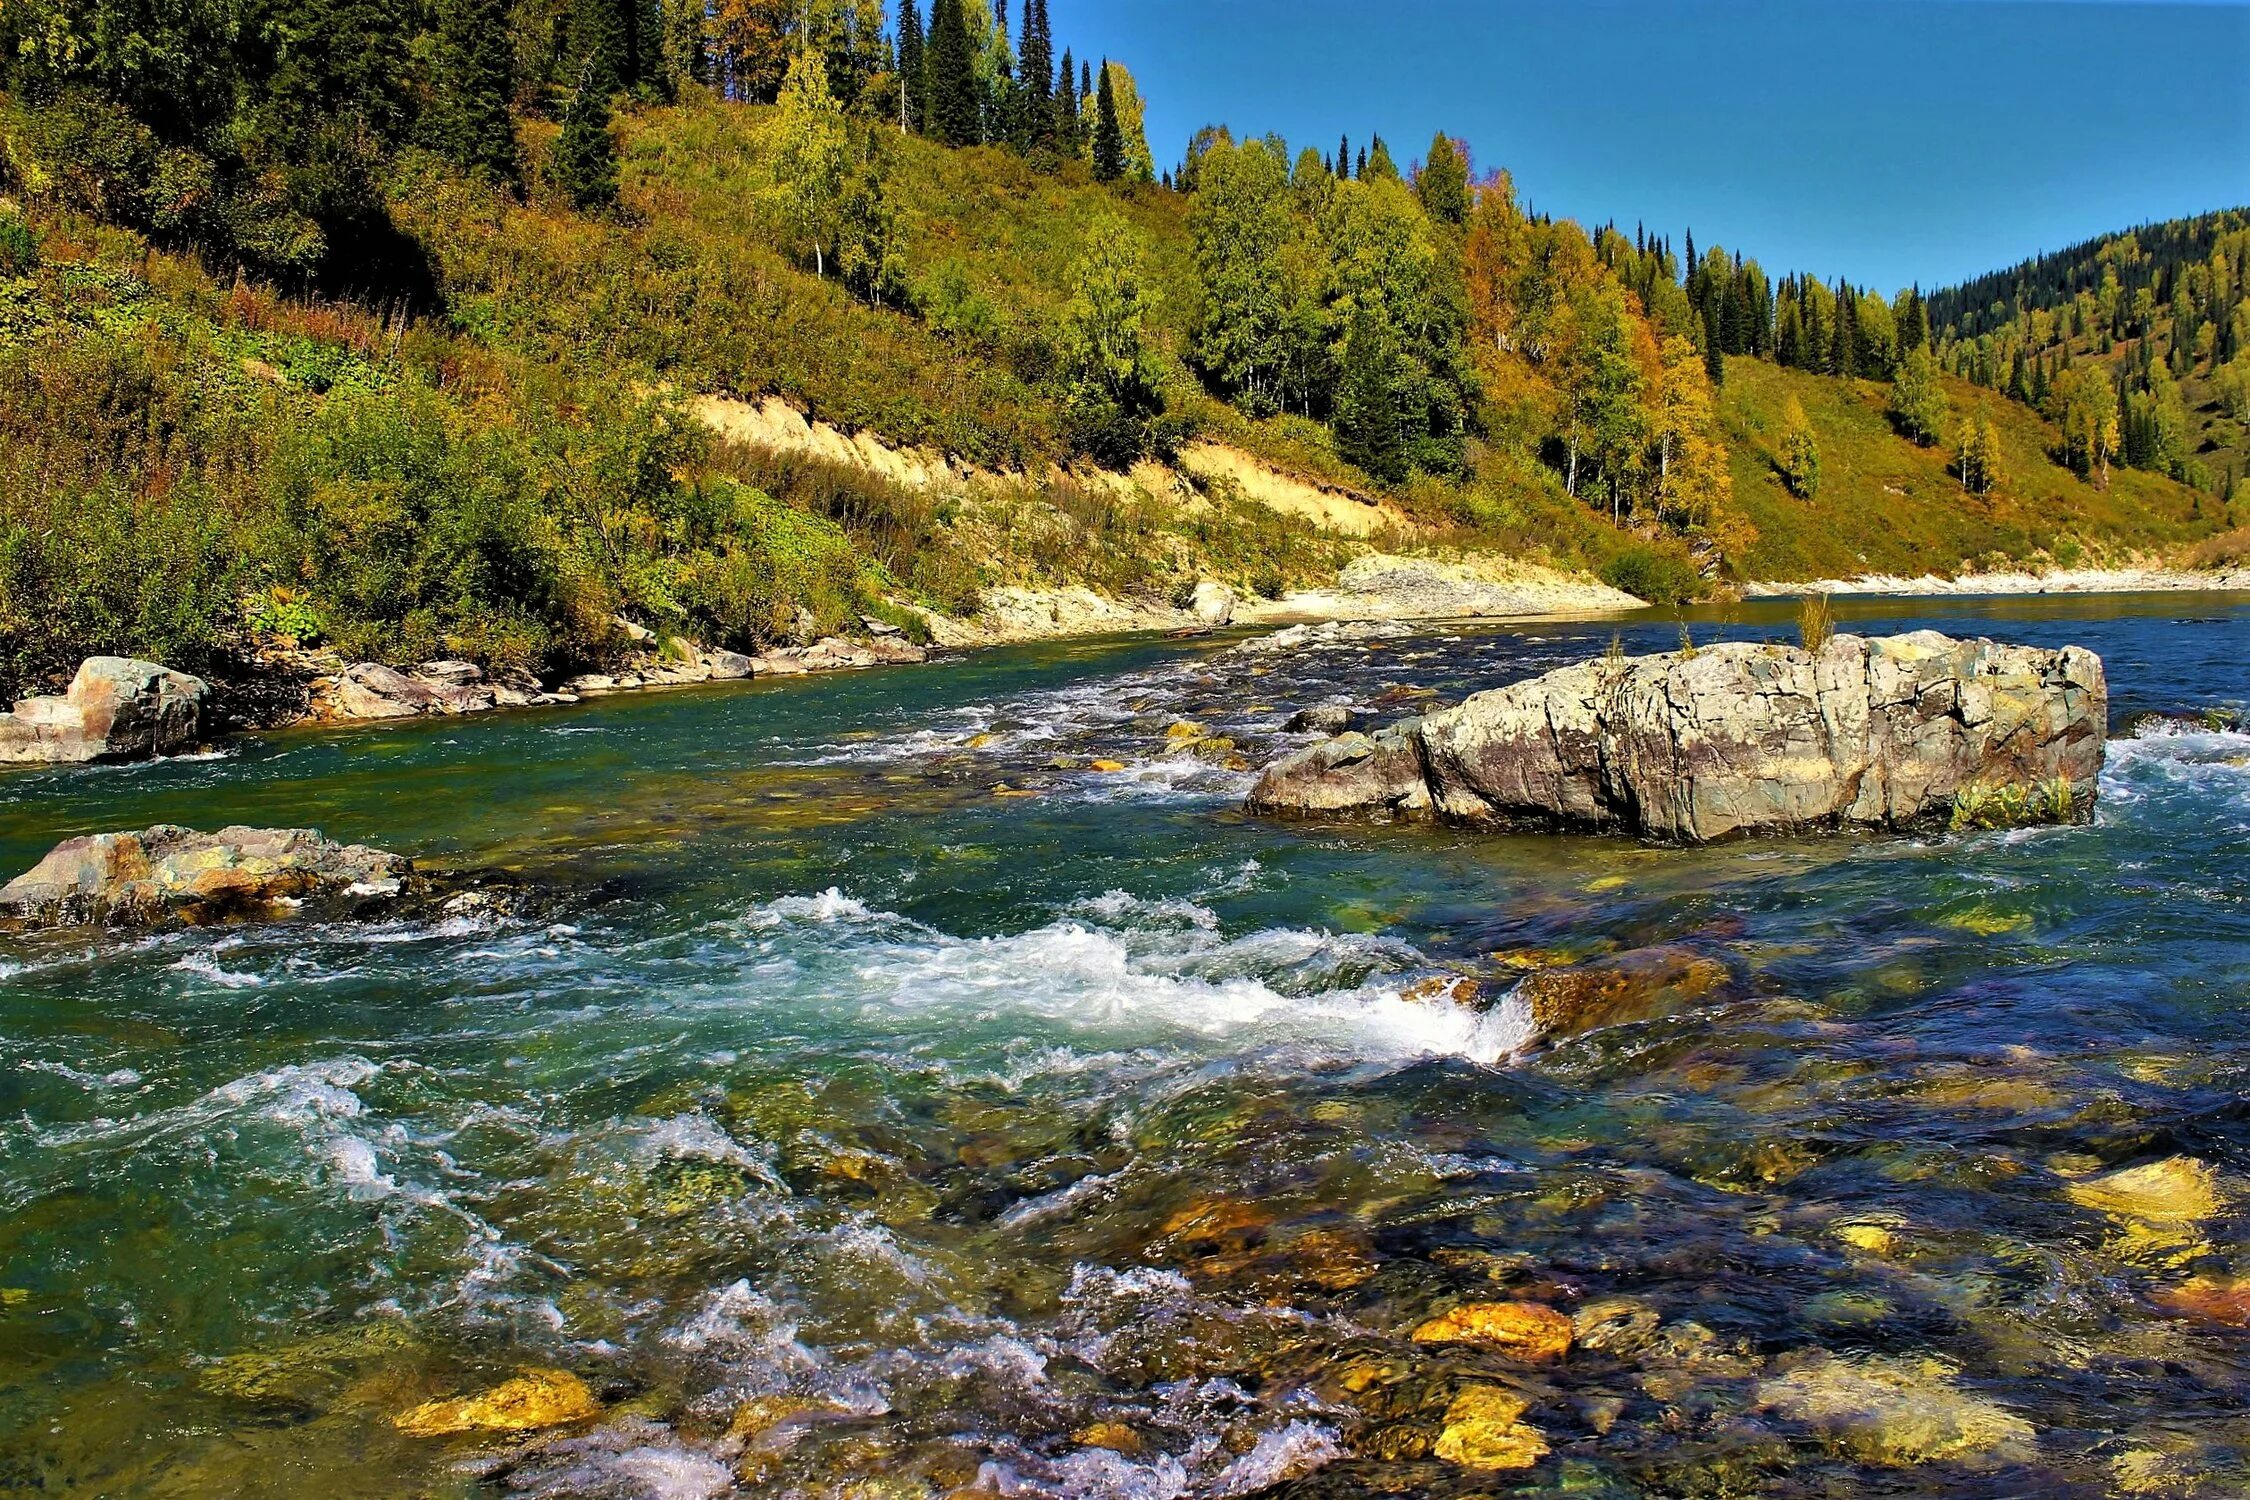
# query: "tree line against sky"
(1414, 309)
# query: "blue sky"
(1888, 142)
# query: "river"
(980, 1119)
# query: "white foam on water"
(1289, 1453)
(2166, 758)
(116, 1078)
(1114, 907)
(1162, 974)
(742, 1326)
(830, 906)
(629, 1459)
(697, 1137)
(672, 1473)
(206, 967)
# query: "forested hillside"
(351, 321)
(2161, 312)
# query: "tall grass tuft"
(1816, 623)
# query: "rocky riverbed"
(929, 1084)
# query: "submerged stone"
(2215, 1299)
(533, 1400)
(1635, 986)
(2176, 1193)
(1527, 1330)
(1620, 1326)
(1483, 1430)
(1115, 1437)
(1898, 1413)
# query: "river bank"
(2010, 582)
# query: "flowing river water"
(877, 1101)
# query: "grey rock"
(1737, 738)
(172, 873)
(116, 708)
(1322, 718)
(370, 690)
(1213, 603)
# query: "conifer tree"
(623, 42)
(956, 110)
(1367, 407)
(1714, 360)
(1913, 322)
(1085, 143)
(1343, 166)
(1379, 161)
(1066, 106)
(1843, 349)
(1036, 71)
(913, 80)
(1443, 182)
(1109, 140)
(1359, 168)
(473, 67)
(585, 160)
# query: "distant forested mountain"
(2161, 311)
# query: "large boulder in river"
(168, 872)
(1731, 739)
(116, 708)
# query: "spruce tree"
(1714, 357)
(1843, 353)
(1085, 141)
(1036, 70)
(956, 111)
(473, 77)
(1443, 182)
(1379, 161)
(1109, 140)
(1343, 156)
(1367, 408)
(913, 82)
(1066, 106)
(601, 35)
(585, 160)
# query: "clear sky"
(1888, 142)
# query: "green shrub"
(19, 247)
(1661, 575)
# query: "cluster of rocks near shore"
(368, 690)
(120, 709)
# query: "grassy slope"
(1887, 506)
(468, 484)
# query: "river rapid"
(878, 1100)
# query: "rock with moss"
(1733, 739)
